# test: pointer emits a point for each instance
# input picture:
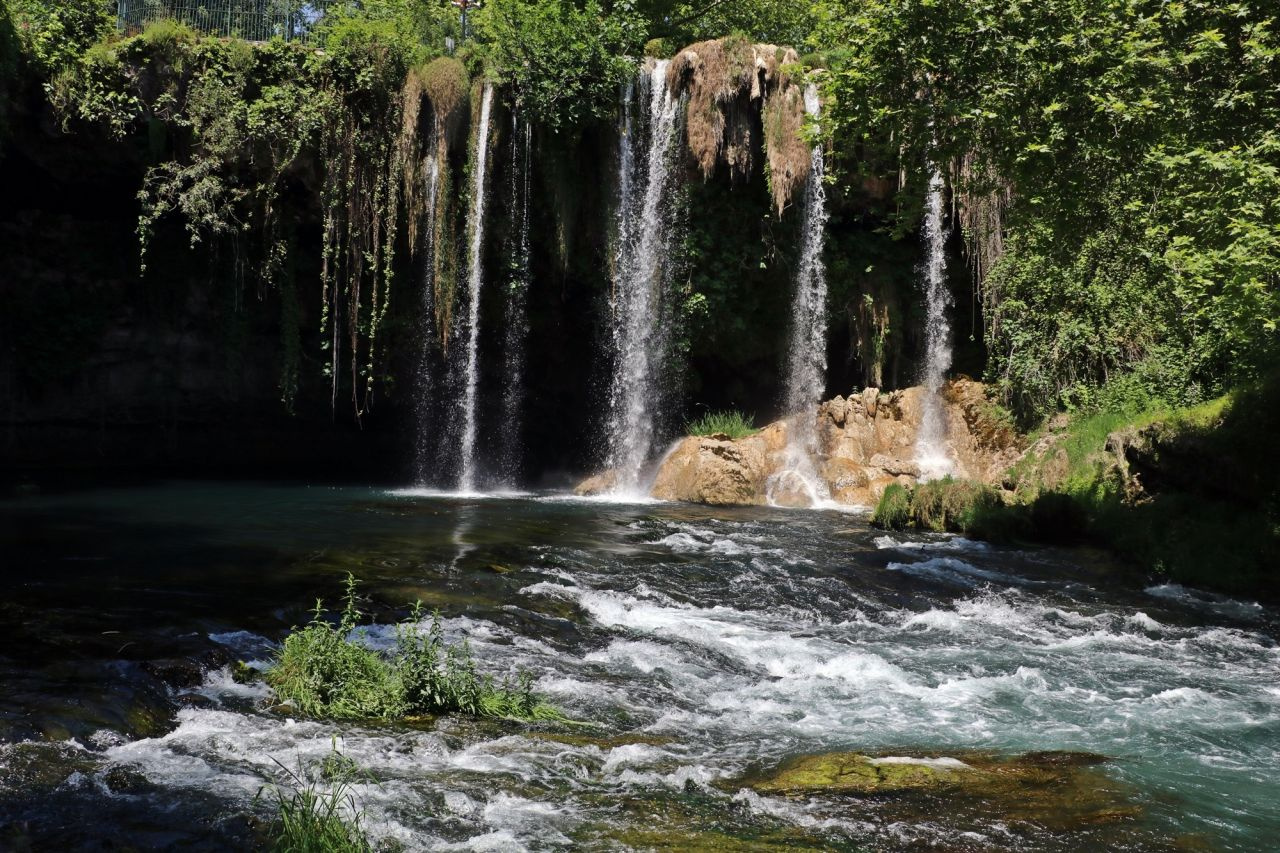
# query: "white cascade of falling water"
(426, 320)
(798, 481)
(475, 280)
(516, 314)
(932, 454)
(640, 336)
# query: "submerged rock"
(1061, 791)
(597, 484)
(854, 773)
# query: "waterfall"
(640, 335)
(475, 280)
(426, 319)
(516, 314)
(798, 481)
(931, 443)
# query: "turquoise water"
(707, 647)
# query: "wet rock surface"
(866, 442)
(1060, 790)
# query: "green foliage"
(316, 809)
(324, 673)
(564, 61)
(956, 506)
(949, 504)
(1209, 510)
(729, 422)
(55, 32)
(237, 122)
(10, 51)
(782, 22)
(893, 510)
(1139, 143)
(660, 48)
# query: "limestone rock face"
(866, 441)
(718, 470)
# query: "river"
(704, 646)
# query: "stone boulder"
(597, 484)
(721, 471)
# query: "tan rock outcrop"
(865, 442)
(718, 470)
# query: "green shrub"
(893, 511)
(729, 422)
(946, 505)
(324, 674)
(55, 32)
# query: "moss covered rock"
(1060, 791)
(854, 773)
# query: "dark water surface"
(708, 646)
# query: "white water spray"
(639, 334)
(475, 280)
(932, 454)
(807, 358)
(426, 323)
(516, 314)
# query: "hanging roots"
(981, 200)
(727, 81)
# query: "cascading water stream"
(516, 314)
(426, 322)
(475, 281)
(932, 455)
(640, 336)
(799, 482)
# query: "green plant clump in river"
(945, 505)
(316, 809)
(729, 422)
(893, 510)
(324, 673)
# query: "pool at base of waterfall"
(736, 678)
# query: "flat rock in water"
(1061, 791)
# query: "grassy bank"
(1188, 494)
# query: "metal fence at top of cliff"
(251, 20)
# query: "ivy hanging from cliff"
(232, 125)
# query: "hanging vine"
(239, 124)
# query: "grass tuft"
(316, 810)
(893, 511)
(323, 673)
(728, 422)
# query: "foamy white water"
(701, 647)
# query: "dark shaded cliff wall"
(179, 371)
